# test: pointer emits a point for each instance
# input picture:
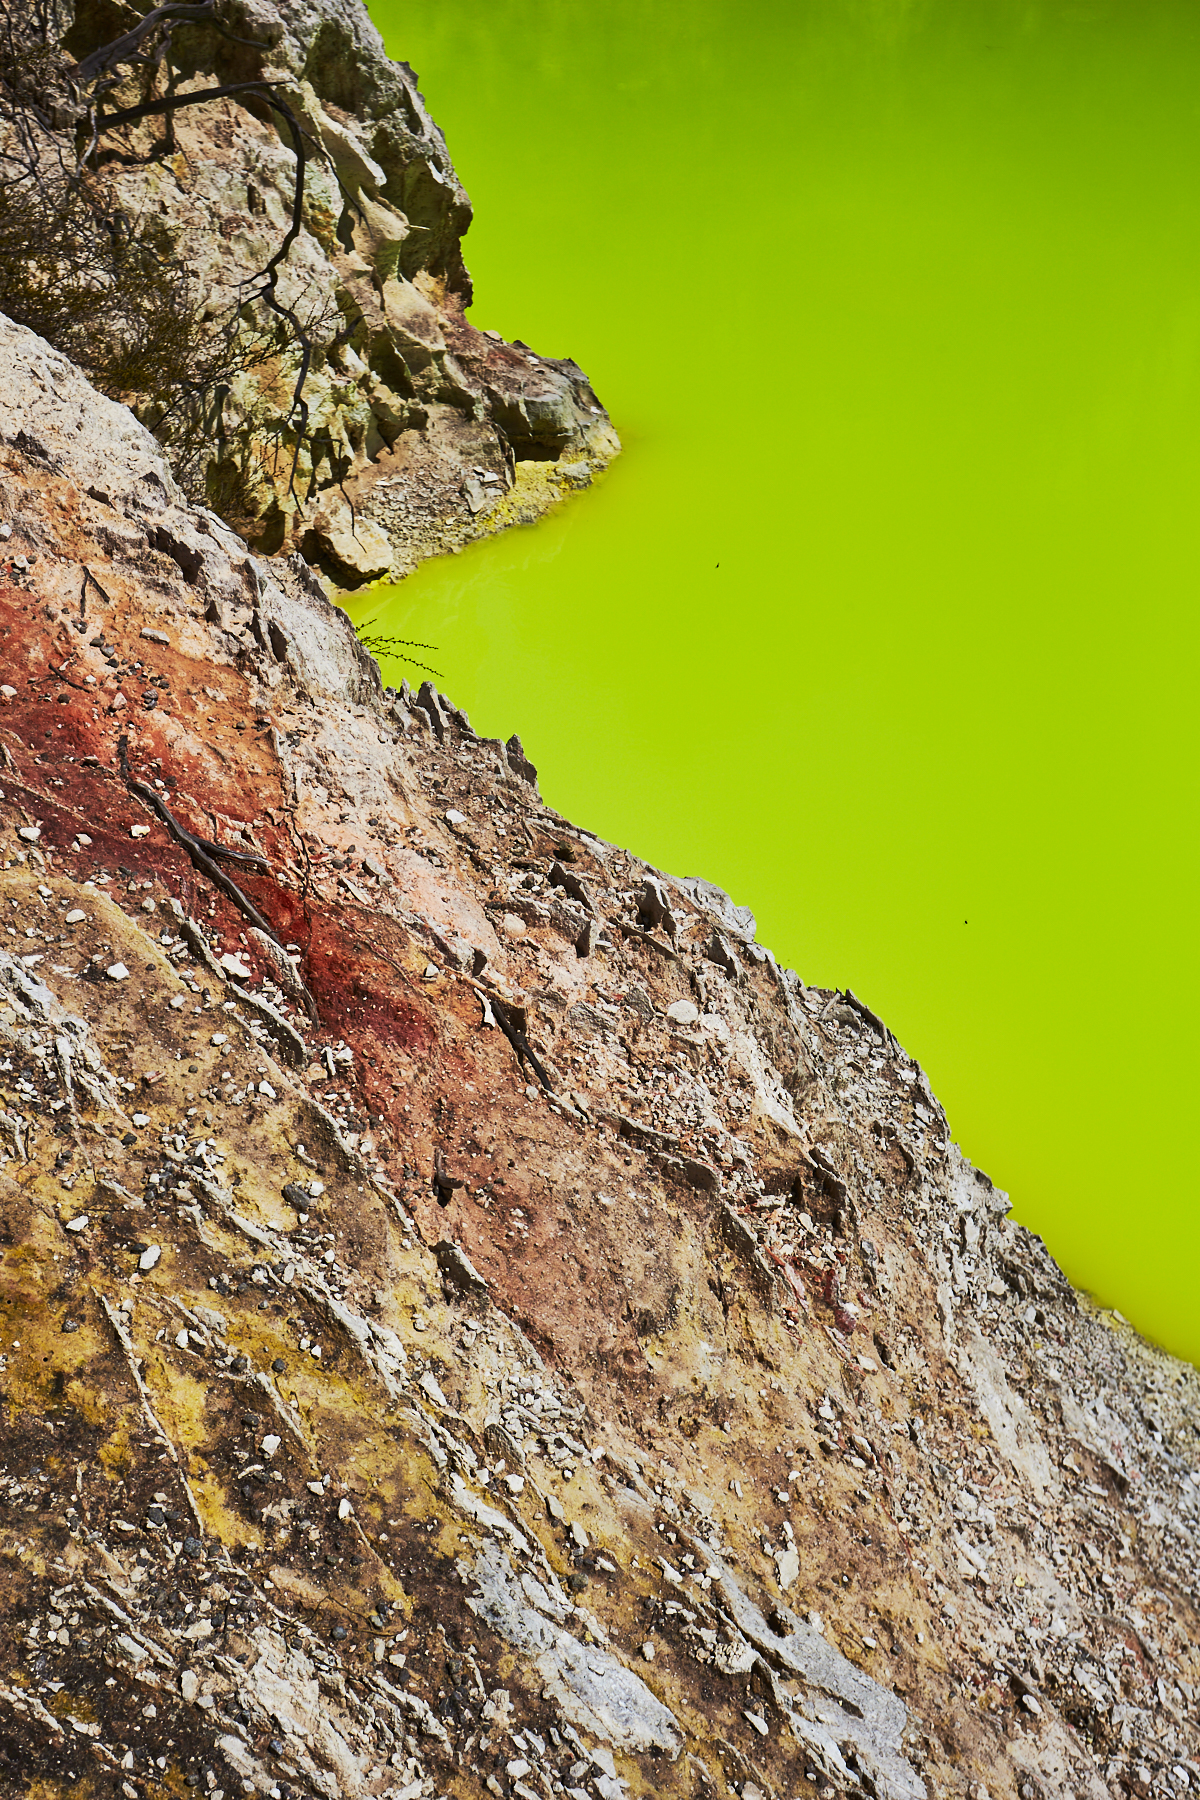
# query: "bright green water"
(885, 619)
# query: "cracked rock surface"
(423, 432)
(469, 1320)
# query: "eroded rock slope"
(412, 431)
(471, 1322)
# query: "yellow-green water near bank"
(885, 618)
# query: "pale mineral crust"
(471, 1321)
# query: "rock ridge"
(357, 417)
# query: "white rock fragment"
(682, 1012)
(29, 834)
(117, 972)
(140, 1119)
(181, 1340)
(756, 1719)
(76, 916)
(270, 1444)
(155, 637)
(79, 1224)
(514, 1483)
(344, 1509)
(179, 1002)
(648, 1652)
(149, 1258)
(139, 831)
(233, 965)
(264, 1087)
(218, 1038)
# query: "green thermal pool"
(885, 619)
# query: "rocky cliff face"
(354, 414)
(472, 1321)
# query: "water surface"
(885, 618)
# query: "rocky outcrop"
(474, 1322)
(411, 432)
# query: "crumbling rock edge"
(590, 1368)
(424, 433)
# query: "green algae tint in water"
(884, 620)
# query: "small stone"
(344, 1509)
(514, 1483)
(69, 1325)
(518, 1767)
(9, 693)
(233, 965)
(117, 972)
(279, 1366)
(155, 637)
(76, 916)
(29, 834)
(179, 1002)
(339, 1632)
(270, 1444)
(787, 1565)
(648, 1652)
(140, 1119)
(1031, 1705)
(79, 1224)
(140, 831)
(555, 1509)
(218, 1038)
(264, 1087)
(181, 1340)
(317, 1488)
(148, 905)
(756, 1719)
(149, 1257)
(579, 1536)
(454, 818)
(431, 972)
(512, 926)
(870, 1643)
(193, 1548)
(682, 1012)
